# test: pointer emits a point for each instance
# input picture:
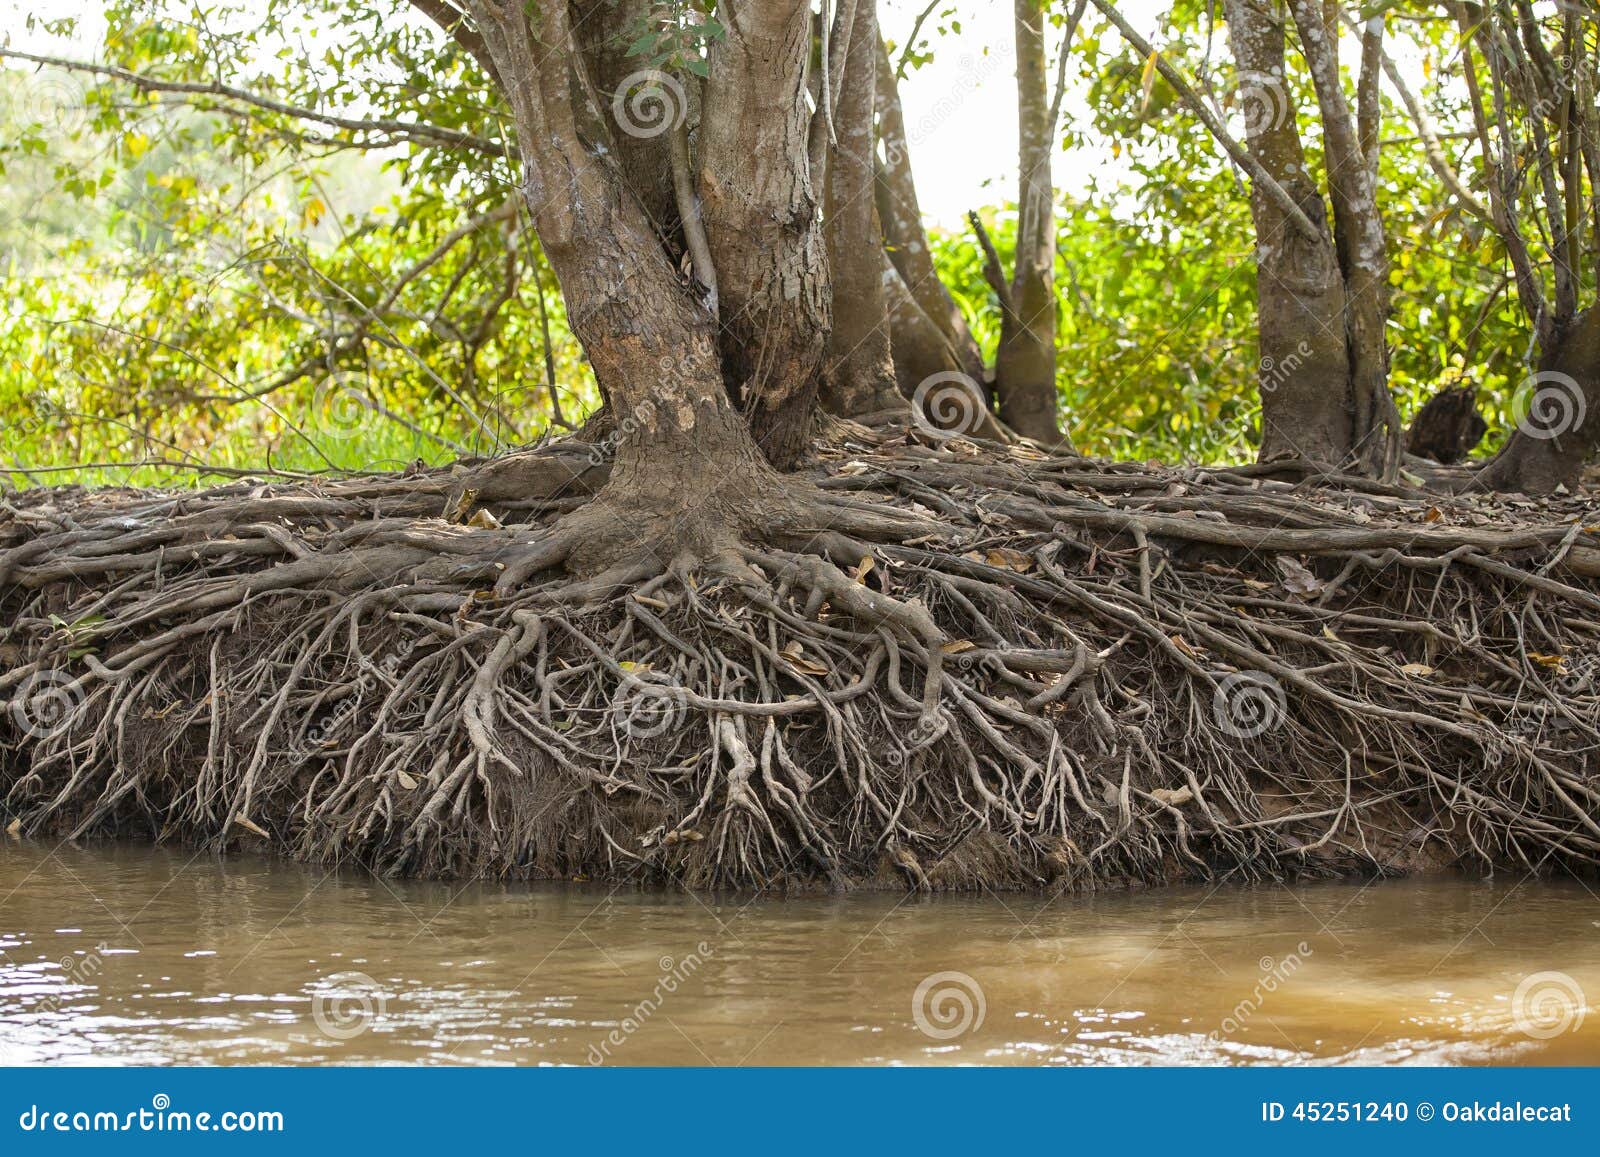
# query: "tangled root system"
(980, 667)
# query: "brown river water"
(123, 954)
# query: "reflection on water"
(125, 954)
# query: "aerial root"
(960, 668)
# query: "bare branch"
(993, 271)
(1236, 152)
(694, 229)
(1433, 150)
(414, 131)
(454, 22)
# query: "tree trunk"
(684, 458)
(1363, 258)
(1025, 364)
(762, 222)
(606, 29)
(1304, 374)
(1557, 427)
(859, 376)
(906, 241)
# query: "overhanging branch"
(413, 131)
(1236, 152)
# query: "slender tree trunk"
(1363, 258)
(1025, 364)
(859, 375)
(762, 221)
(906, 241)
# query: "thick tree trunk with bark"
(763, 222)
(1351, 166)
(1304, 370)
(687, 471)
(1558, 415)
(606, 29)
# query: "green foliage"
(188, 278)
(674, 36)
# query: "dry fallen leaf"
(1004, 556)
(406, 781)
(1187, 647)
(798, 659)
(1297, 580)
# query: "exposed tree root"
(925, 664)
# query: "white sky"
(961, 111)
